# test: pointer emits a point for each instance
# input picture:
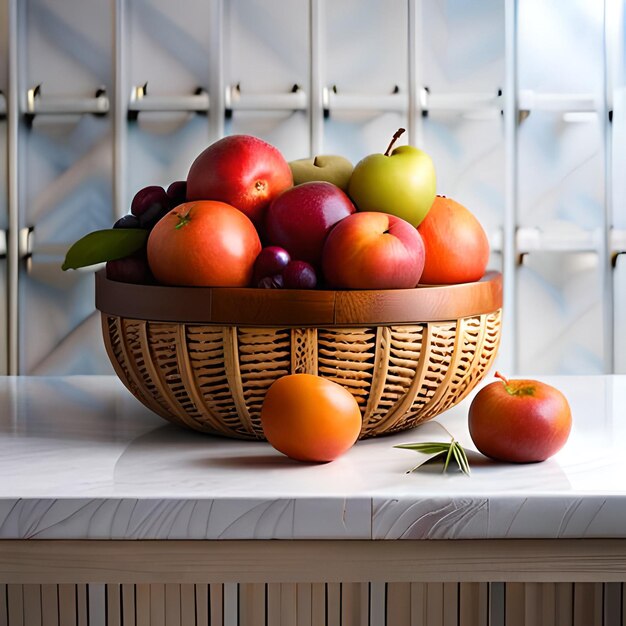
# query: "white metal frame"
(318, 97)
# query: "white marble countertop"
(80, 458)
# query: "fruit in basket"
(205, 243)
(127, 221)
(130, 269)
(240, 170)
(457, 248)
(331, 168)
(150, 204)
(300, 219)
(310, 418)
(520, 421)
(401, 183)
(177, 192)
(272, 260)
(373, 251)
(299, 275)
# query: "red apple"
(521, 421)
(240, 170)
(300, 219)
(373, 251)
(457, 248)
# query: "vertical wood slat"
(142, 605)
(547, 611)
(15, 602)
(50, 605)
(318, 604)
(201, 592)
(32, 605)
(378, 603)
(81, 605)
(354, 604)
(514, 604)
(172, 605)
(4, 609)
(97, 604)
(450, 604)
(157, 604)
(128, 605)
(564, 603)
(533, 604)
(496, 602)
(418, 604)
(273, 603)
(473, 604)
(304, 604)
(288, 603)
(216, 596)
(113, 605)
(587, 604)
(67, 605)
(252, 604)
(230, 608)
(187, 605)
(612, 609)
(398, 609)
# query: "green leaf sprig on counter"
(104, 245)
(447, 452)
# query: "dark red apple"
(300, 219)
(520, 421)
(241, 170)
(373, 251)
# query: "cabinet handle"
(38, 104)
(235, 100)
(198, 102)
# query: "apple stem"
(502, 378)
(395, 138)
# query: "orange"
(205, 244)
(456, 246)
(310, 418)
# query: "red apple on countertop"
(240, 170)
(300, 219)
(520, 421)
(373, 251)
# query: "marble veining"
(80, 458)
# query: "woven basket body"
(213, 377)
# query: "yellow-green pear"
(330, 168)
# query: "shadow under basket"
(204, 357)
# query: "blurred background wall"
(520, 104)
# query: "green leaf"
(452, 450)
(104, 245)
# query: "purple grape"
(150, 204)
(152, 215)
(131, 269)
(300, 275)
(127, 221)
(271, 282)
(271, 261)
(177, 192)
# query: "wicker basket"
(204, 358)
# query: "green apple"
(401, 183)
(330, 168)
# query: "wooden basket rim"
(299, 308)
